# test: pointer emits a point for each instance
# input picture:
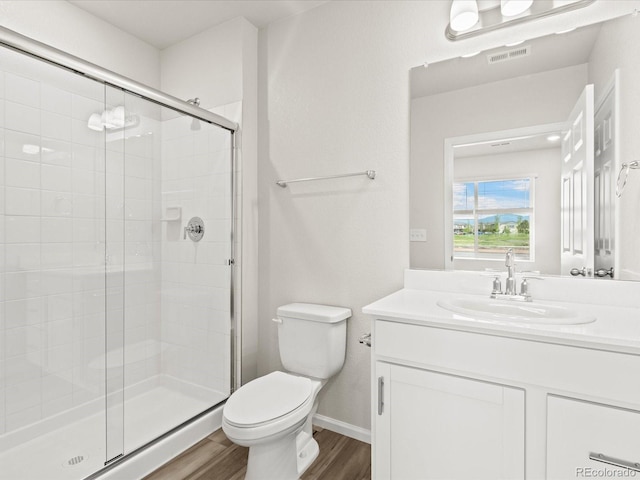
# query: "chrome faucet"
(510, 263)
(511, 291)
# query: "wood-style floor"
(217, 458)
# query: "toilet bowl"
(272, 415)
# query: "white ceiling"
(508, 145)
(162, 23)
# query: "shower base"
(76, 449)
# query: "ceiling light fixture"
(463, 15)
(467, 21)
(511, 8)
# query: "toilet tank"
(312, 338)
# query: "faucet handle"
(497, 285)
(524, 286)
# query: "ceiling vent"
(511, 54)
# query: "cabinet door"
(577, 429)
(438, 426)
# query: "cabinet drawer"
(563, 369)
(576, 429)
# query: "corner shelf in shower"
(172, 214)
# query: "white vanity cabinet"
(435, 426)
(455, 403)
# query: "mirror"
(527, 145)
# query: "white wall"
(207, 65)
(71, 29)
(335, 99)
(329, 107)
(490, 107)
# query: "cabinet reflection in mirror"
(524, 144)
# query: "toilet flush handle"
(277, 320)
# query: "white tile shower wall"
(195, 278)
(42, 300)
(52, 244)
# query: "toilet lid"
(267, 398)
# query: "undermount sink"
(517, 312)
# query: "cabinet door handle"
(380, 394)
(616, 462)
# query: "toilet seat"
(269, 405)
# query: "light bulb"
(464, 15)
(510, 8)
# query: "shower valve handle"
(195, 229)
(192, 229)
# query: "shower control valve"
(195, 229)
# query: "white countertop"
(616, 328)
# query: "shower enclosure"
(116, 257)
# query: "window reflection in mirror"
(492, 216)
(495, 177)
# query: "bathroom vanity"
(505, 394)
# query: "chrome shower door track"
(47, 53)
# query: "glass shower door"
(168, 291)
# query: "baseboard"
(342, 428)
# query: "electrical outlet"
(418, 235)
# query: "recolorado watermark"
(590, 472)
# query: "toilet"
(272, 414)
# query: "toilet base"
(281, 460)
(286, 458)
(306, 446)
